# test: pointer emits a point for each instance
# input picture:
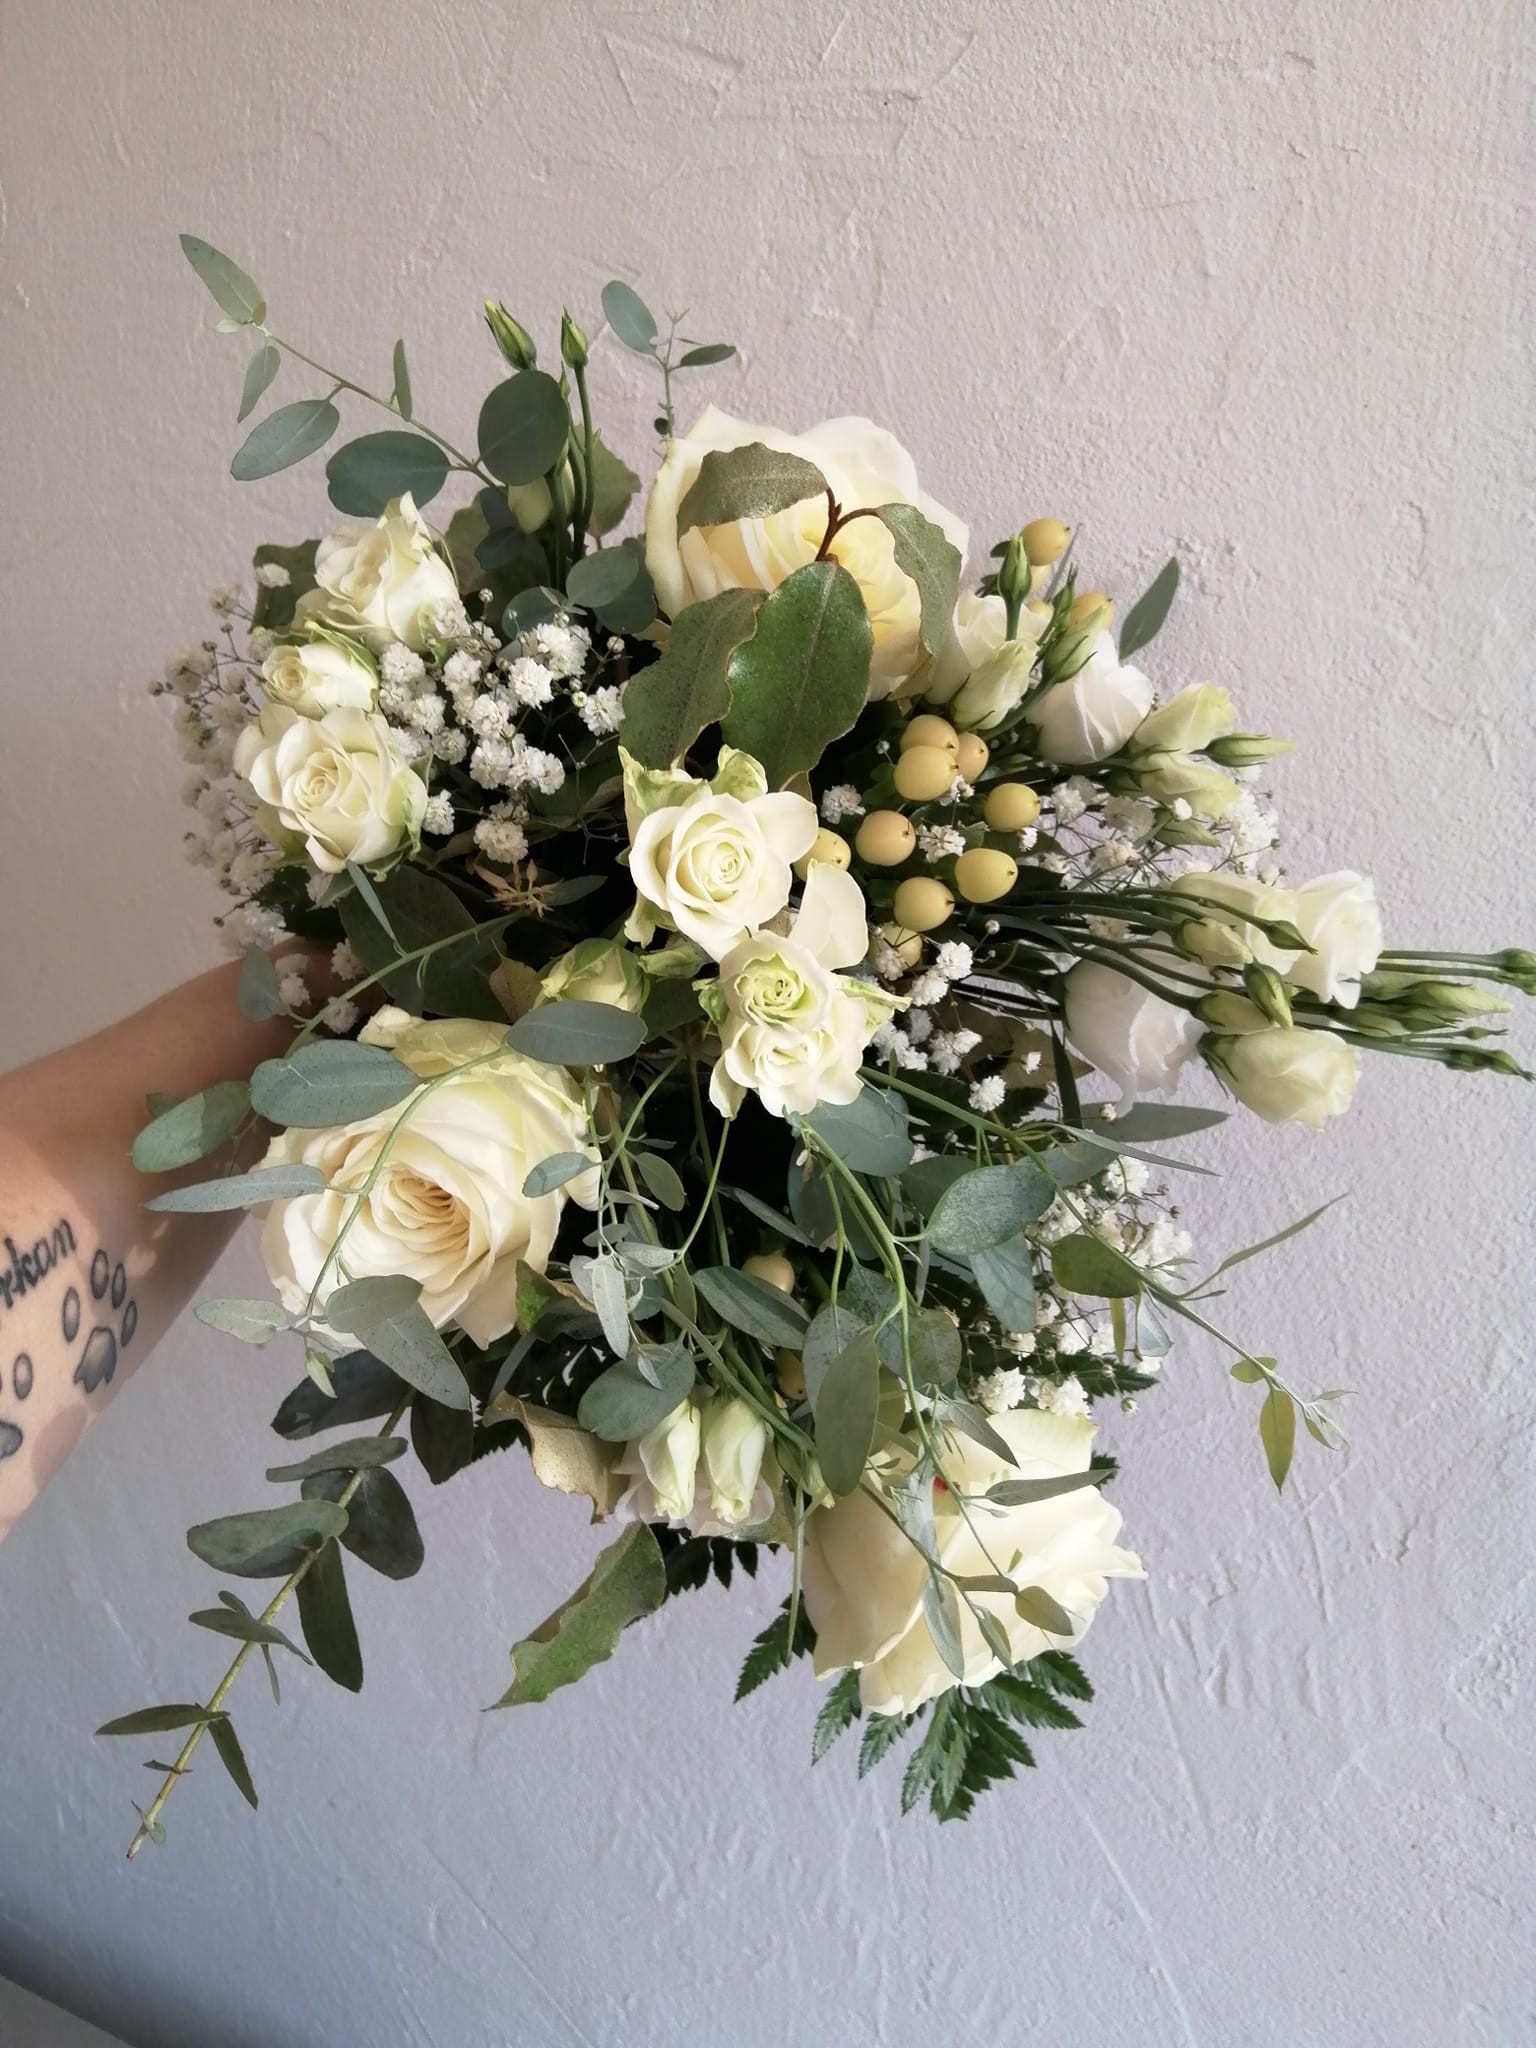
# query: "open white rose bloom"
(757, 960)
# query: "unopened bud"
(510, 336)
(1212, 943)
(1013, 574)
(1268, 993)
(573, 343)
(1227, 1011)
(1247, 749)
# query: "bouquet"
(756, 947)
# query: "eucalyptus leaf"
(1034, 1605)
(1019, 1493)
(256, 992)
(554, 1172)
(253, 1322)
(869, 1134)
(381, 1529)
(237, 296)
(1277, 1433)
(400, 391)
(925, 1180)
(524, 426)
(987, 1207)
(752, 482)
(846, 1408)
(284, 437)
(577, 1034)
(668, 705)
(412, 910)
(661, 1177)
(1152, 1123)
(357, 1454)
(630, 317)
(157, 1720)
(325, 1615)
(941, 1612)
(628, 1581)
(192, 1128)
(241, 1190)
(1005, 1273)
(365, 474)
(363, 1388)
(358, 1306)
(802, 679)
(934, 1348)
(332, 1081)
(609, 1289)
(241, 1626)
(267, 1543)
(1087, 1265)
(227, 1745)
(625, 1401)
(411, 1347)
(614, 485)
(750, 1304)
(259, 372)
(1144, 620)
(705, 353)
(832, 1329)
(1265, 1244)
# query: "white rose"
(446, 1204)
(735, 1445)
(316, 677)
(726, 1490)
(378, 578)
(1187, 722)
(865, 467)
(1135, 1038)
(792, 1031)
(1093, 713)
(717, 866)
(980, 628)
(336, 781)
(664, 1465)
(864, 1581)
(597, 971)
(1233, 941)
(1288, 1077)
(1340, 920)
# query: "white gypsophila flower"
(946, 1049)
(1112, 853)
(1130, 817)
(1054, 863)
(490, 716)
(188, 668)
(427, 713)
(928, 988)
(252, 924)
(292, 989)
(1071, 798)
(919, 1026)
(958, 791)
(561, 646)
(987, 1094)
(409, 744)
(1001, 1390)
(437, 818)
(1028, 838)
(1020, 1342)
(345, 964)
(272, 576)
(340, 1016)
(224, 597)
(401, 664)
(252, 868)
(839, 802)
(886, 961)
(602, 711)
(1253, 830)
(396, 699)
(449, 745)
(491, 764)
(1128, 1176)
(533, 768)
(1060, 1397)
(444, 619)
(954, 960)
(1107, 927)
(531, 683)
(503, 839)
(936, 842)
(461, 671)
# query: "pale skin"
(90, 1279)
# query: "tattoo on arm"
(108, 1316)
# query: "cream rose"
(704, 1467)
(382, 578)
(864, 1581)
(597, 971)
(864, 465)
(792, 1030)
(1340, 920)
(1135, 1038)
(336, 782)
(446, 1205)
(316, 676)
(1093, 713)
(1288, 1077)
(717, 865)
(980, 628)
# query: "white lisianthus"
(316, 676)
(1092, 714)
(1340, 920)
(445, 1170)
(1233, 941)
(865, 467)
(980, 628)
(1187, 722)
(597, 971)
(792, 1030)
(1288, 1077)
(992, 692)
(1135, 1038)
(1209, 791)
(719, 862)
(864, 1581)
(336, 782)
(378, 578)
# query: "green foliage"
(267, 1543)
(614, 486)
(253, 1322)
(630, 317)
(869, 1134)
(773, 1648)
(1087, 1265)
(983, 1209)
(381, 1530)
(846, 1405)
(577, 1034)
(524, 426)
(363, 1388)
(355, 1454)
(283, 438)
(421, 912)
(227, 1746)
(752, 482)
(882, 1732)
(750, 1304)
(668, 705)
(364, 475)
(400, 382)
(637, 1393)
(241, 1190)
(555, 1172)
(1144, 620)
(802, 679)
(156, 1720)
(259, 372)
(1005, 1273)
(615, 585)
(192, 1128)
(934, 564)
(237, 296)
(1277, 1433)
(628, 1581)
(325, 1615)
(386, 1314)
(274, 607)
(839, 1712)
(330, 1081)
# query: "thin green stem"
(465, 462)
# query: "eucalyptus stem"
(241, 1658)
(465, 462)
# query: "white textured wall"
(1242, 278)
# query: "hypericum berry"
(983, 874)
(972, 755)
(1045, 540)
(922, 903)
(1090, 604)
(929, 730)
(885, 839)
(903, 942)
(789, 1371)
(1011, 807)
(829, 847)
(773, 1268)
(924, 773)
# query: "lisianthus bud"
(597, 971)
(735, 1441)
(1013, 574)
(1045, 540)
(1208, 790)
(994, 691)
(1432, 1004)
(1188, 722)
(1267, 993)
(1212, 943)
(1247, 749)
(573, 343)
(510, 336)
(1224, 1010)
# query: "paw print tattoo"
(109, 1294)
(11, 1437)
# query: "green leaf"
(399, 1332)
(364, 1388)
(705, 353)
(330, 1081)
(747, 483)
(934, 1347)
(400, 393)
(766, 1213)
(554, 1172)
(365, 474)
(1062, 1673)
(933, 563)
(941, 1612)
(524, 425)
(669, 704)
(232, 1756)
(987, 1207)
(845, 1406)
(1018, 1493)
(259, 372)
(253, 1322)
(925, 1180)
(802, 679)
(750, 1304)
(238, 1623)
(832, 1329)
(1265, 1244)
(237, 296)
(1086, 1265)
(771, 1651)
(630, 317)
(1005, 1273)
(356, 1454)
(662, 1179)
(882, 1732)
(614, 485)
(192, 1128)
(241, 1190)
(869, 1134)
(1151, 1123)
(381, 1529)
(1277, 1433)
(1036, 1606)
(256, 994)
(156, 1720)
(267, 1543)
(325, 1615)
(577, 1034)
(284, 437)
(616, 586)
(623, 1402)
(628, 1581)
(1144, 620)
(454, 980)
(840, 1711)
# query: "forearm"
(89, 1278)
